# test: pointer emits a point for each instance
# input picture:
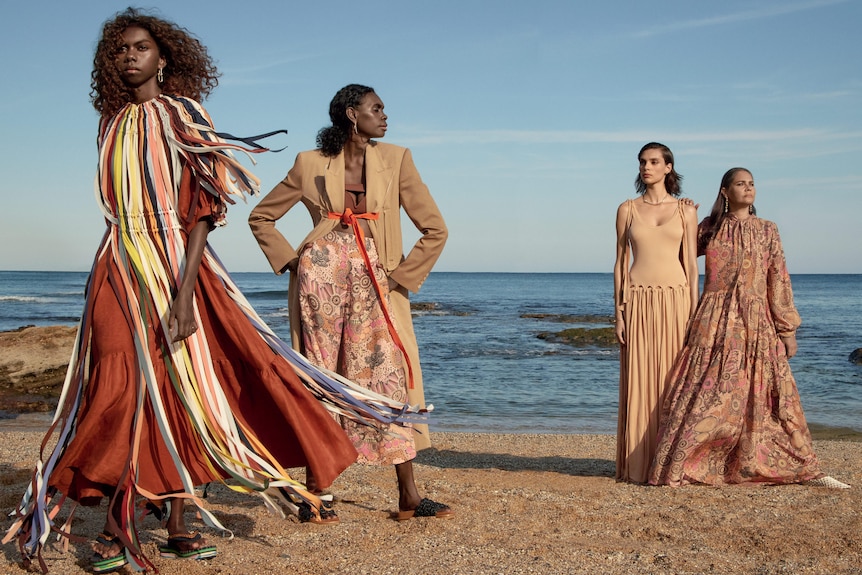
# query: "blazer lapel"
(333, 181)
(378, 177)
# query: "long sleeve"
(423, 212)
(779, 292)
(273, 206)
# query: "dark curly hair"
(331, 139)
(712, 222)
(189, 71)
(672, 181)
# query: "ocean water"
(485, 370)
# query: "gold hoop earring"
(160, 76)
(355, 129)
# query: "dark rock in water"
(565, 318)
(582, 337)
(856, 356)
(434, 308)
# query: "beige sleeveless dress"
(657, 308)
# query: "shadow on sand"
(451, 459)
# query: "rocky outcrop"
(582, 337)
(33, 363)
(566, 318)
(434, 308)
(856, 356)
(577, 336)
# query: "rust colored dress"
(733, 413)
(141, 415)
(657, 308)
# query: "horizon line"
(441, 272)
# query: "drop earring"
(751, 209)
(726, 205)
(355, 129)
(160, 76)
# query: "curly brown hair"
(189, 71)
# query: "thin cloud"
(851, 183)
(769, 12)
(450, 137)
(265, 65)
(753, 92)
(835, 95)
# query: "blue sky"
(525, 118)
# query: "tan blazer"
(391, 181)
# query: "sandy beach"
(524, 504)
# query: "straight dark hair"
(672, 181)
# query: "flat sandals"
(180, 547)
(101, 564)
(426, 508)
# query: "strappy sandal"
(426, 508)
(101, 564)
(326, 512)
(181, 546)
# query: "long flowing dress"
(657, 306)
(733, 413)
(141, 415)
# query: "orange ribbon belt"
(348, 218)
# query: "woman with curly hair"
(349, 308)
(175, 381)
(733, 412)
(654, 300)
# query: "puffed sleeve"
(196, 205)
(779, 293)
(209, 164)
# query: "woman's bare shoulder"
(625, 205)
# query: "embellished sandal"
(426, 508)
(326, 511)
(101, 564)
(181, 546)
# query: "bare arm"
(619, 272)
(182, 318)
